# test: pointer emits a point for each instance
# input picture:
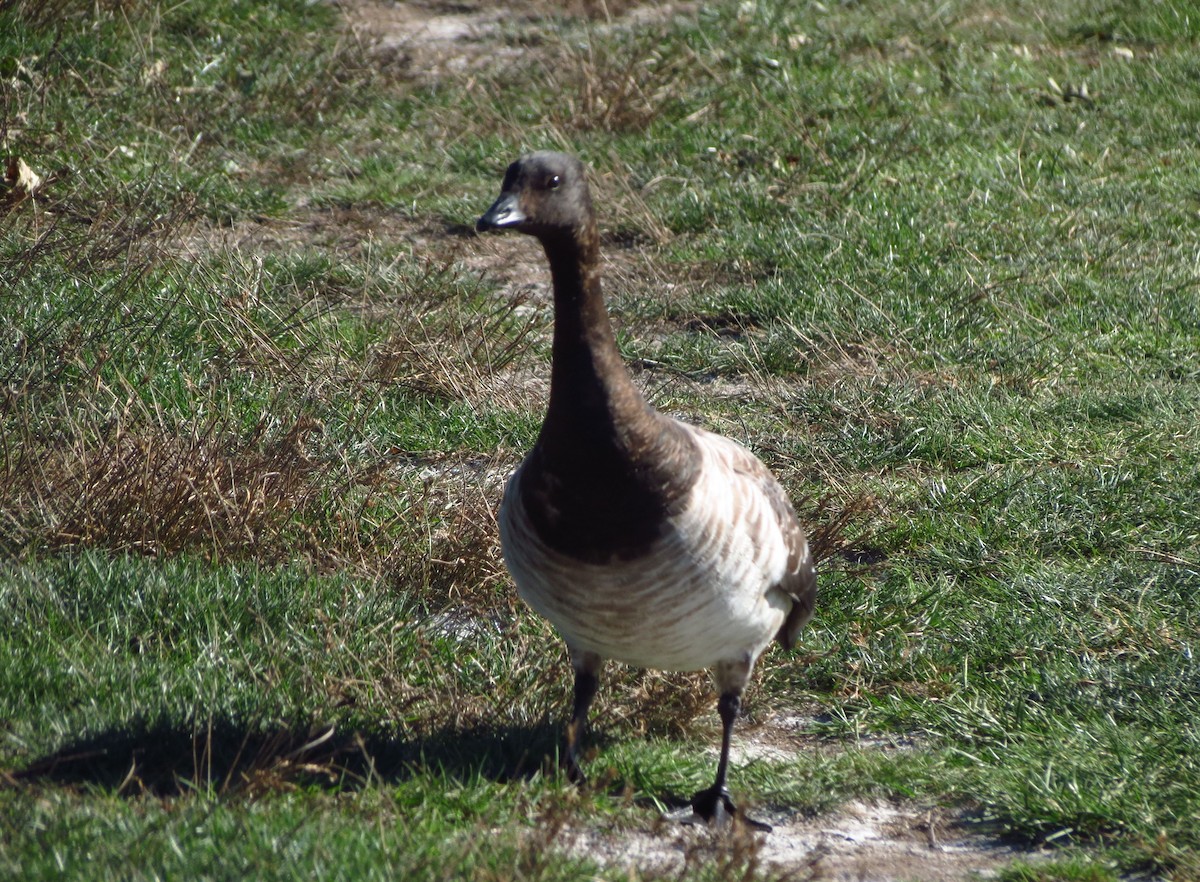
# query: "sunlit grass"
(260, 389)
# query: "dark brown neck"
(607, 470)
(589, 384)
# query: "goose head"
(545, 195)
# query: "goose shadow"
(167, 759)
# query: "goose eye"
(552, 182)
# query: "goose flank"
(642, 539)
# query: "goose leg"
(587, 681)
(714, 806)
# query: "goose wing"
(799, 578)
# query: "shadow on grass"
(226, 757)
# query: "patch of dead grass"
(154, 492)
(613, 86)
(454, 550)
(458, 355)
(350, 232)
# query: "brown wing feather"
(800, 580)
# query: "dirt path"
(862, 841)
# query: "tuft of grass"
(1078, 870)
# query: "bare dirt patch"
(342, 232)
(428, 39)
(438, 37)
(862, 841)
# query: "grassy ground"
(936, 263)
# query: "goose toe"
(713, 807)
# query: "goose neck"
(588, 380)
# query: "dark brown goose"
(642, 539)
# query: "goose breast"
(708, 590)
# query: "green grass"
(259, 390)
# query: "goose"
(642, 539)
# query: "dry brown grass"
(453, 550)
(613, 87)
(840, 527)
(153, 492)
(272, 495)
(457, 355)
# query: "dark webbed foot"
(714, 808)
